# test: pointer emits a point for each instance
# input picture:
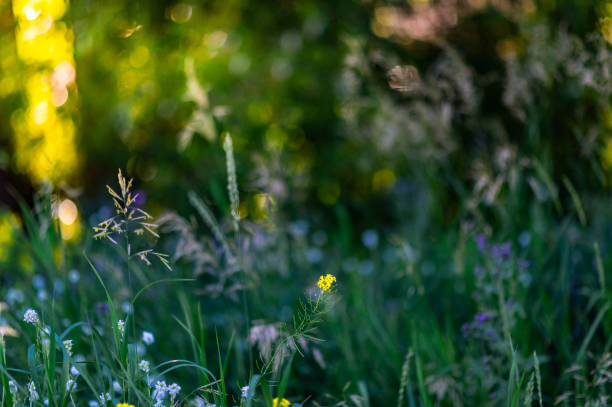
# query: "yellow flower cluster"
(326, 281)
(283, 402)
(125, 405)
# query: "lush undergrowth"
(186, 311)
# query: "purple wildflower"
(481, 242)
(102, 307)
(481, 317)
(522, 263)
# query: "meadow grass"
(471, 320)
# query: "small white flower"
(144, 366)
(59, 286)
(32, 391)
(117, 387)
(244, 391)
(74, 371)
(121, 328)
(104, 397)
(68, 346)
(74, 276)
(93, 403)
(38, 281)
(147, 337)
(41, 295)
(46, 401)
(14, 295)
(13, 386)
(173, 390)
(160, 391)
(86, 329)
(198, 402)
(31, 317)
(70, 384)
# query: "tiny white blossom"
(68, 346)
(32, 390)
(41, 295)
(147, 337)
(117, 387)
(173, 390)
(46, 401)
(126, 307)
(244, 391)
(74, 371)
(160, 390)
(31, 317)
(93, 403)
(73, 276)
(198, 402)
(70, 384)
(13, 386)
(14, 295)
(38, 281)
(104, 397)
(121, 328)
(144, 366)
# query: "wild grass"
(100, 329)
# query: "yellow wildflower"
(283, 402)
(125, 405)
(326, 281)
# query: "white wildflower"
(244, 391)
(41, 295)
(74, 371)
(68, 346)
(173, 390)
(117, 387)
(31, 317)
(32, 391)
(14, 296)
(104, 397)
(74, 276)
(93, 403)
(121, 328)
(147, 337)
(13, 386)
(70, 384)
(126, 307)
(144, 366)
(160, 391)
(38, 281)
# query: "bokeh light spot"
(67, 212)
